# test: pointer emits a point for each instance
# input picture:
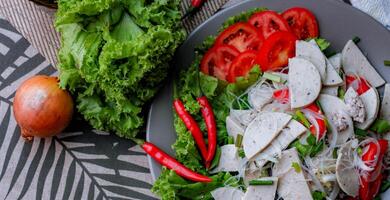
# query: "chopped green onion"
(387, 63)
(335, 154)
(356, 39)
(296, 167)
(261, 182)
(216, 159)
(322, 43)
(230, 140)
(272, 77)
(380, 126)
(301, 118)
(239, 140)
(241, 153)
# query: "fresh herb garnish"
(318, 195)
(341, 93)
(230, 140)
(380, 126)
(241, 153)
(360, 133)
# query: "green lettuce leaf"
(170, 186)
(114, 56)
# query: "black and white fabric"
(81, 163)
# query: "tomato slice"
(369, 189)
(216, 62)
(268, 22)
(242, 36)
(302, 22)
(276, 51)
(241, 65)
(361, 85)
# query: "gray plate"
(338, 22)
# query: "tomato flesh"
(362, 84)
(276, 51)
(216, 62)
(369, 189)
(268, 22)
(241, 65)
(302, 22)
(242, 36)
(320, 121)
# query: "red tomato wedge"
(276, 51)
(358, 83)
(370, 185)
(216, 62)
(268, 22)
(320, 121)
(302, 22)
(241, 65)
(242, 36)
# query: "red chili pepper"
(192, 126)
(195, 6)
(369, 188)
(362, 86)
(197, 3)
(169, 162)
(208, 116)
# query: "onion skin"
(41, 108)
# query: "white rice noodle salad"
(294, 120)
(317, 130)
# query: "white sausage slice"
(304, 82)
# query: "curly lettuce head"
(114, 55)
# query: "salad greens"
(114, 55)
(220, 94)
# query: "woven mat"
(35, 22)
